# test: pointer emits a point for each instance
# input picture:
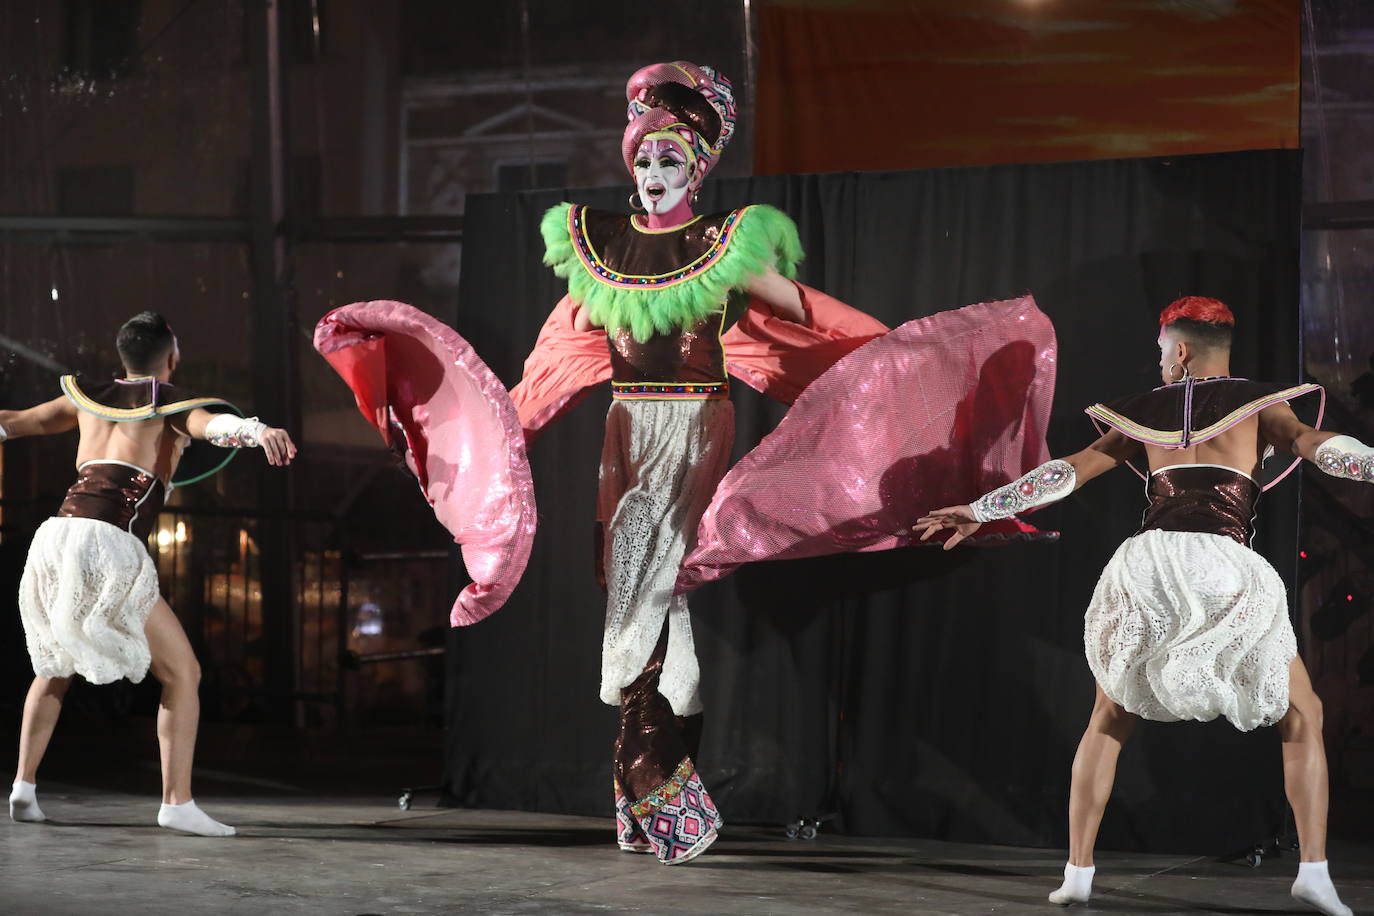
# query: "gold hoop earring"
(636, 203)
(696, 193)
(1183, 377)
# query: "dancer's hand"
(277, 446)
(960, 518)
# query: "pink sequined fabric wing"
(780, 358)
(430, 395)
(564, 363)
(931, 414)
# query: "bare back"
(1242, 448)
(154, 444)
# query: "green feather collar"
(752, 239)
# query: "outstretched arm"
(780, 294)
(1335, 454)
(55, 416)
(1048, 483)
(1282, 429)
(229, 431)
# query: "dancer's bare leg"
(1094, 772)
(42, 707)
(1304, 762)
(1304, 778)
(178, 717)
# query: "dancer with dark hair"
(1187, 622)
(89, 595)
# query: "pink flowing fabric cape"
(433, 399)
(776, 357)
(928, 415)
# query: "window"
(101, 38)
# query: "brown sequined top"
(121, 494)
(692, 355)
(1204, 498)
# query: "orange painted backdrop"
(895, 84)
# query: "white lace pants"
(1185, 625)
(660, 467)
(85, 596)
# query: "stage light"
(181, 533)
(165, 537)
(54, 294)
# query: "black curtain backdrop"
(910, 692)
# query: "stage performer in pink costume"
(1187, 622)
(89, 595)
(665, 285)
(664, 304)
(685, 300)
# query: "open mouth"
(655, 191)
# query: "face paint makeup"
(663, 175)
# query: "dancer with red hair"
(1187, 622)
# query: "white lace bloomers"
(85, 596)
(1187, 625)
(660, 466)
(89, 582)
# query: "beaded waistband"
(670, 391)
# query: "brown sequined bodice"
(1212, 500)
(125, 496)
(692, 355)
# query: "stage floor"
(101, 855)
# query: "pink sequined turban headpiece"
(695, 101)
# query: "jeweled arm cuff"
(1347, 457)
(1052, 480)
(229, 431)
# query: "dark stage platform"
(304, 855)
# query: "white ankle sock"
(1315, 889)
(24, 802)
(190, 819)
(1077, 886)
